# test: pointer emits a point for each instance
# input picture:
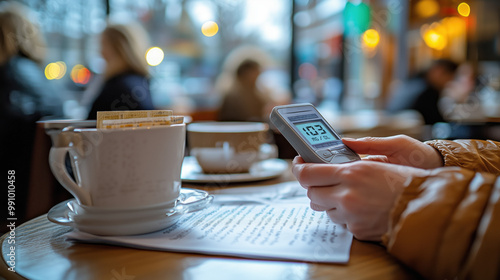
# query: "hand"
(401, 149)
(359, 194)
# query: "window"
(192, 61)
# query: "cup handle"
(56, 162)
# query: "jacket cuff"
(446, 152)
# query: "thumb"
(372, 145)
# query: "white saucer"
(262, 170)
(128, 222)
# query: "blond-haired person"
(26, 95)
(126, 75)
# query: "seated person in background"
(444, 222)
(459, 92)
(243, 100)
(126, 76)
(463, 85)
(423, 92)
(26, 95)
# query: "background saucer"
(262, 170)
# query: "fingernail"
(349, 139)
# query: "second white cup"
(228, 147)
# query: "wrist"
(435, 159)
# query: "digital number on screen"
(316, 132)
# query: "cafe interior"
(429, 69)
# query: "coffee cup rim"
(207, 127)
(93, 129)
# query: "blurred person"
(246, 88)
(246, 94)
(463, 85)
(434, 205)
(243, 101)
(126, 75)
(460, 99)
(26, 95)
(423, 92)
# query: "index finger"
(371, 145)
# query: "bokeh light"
(423, 29)
(154, 56)
(80, 74)
(357, 17)
(463, 9)
(455, 26)
(209, 28)
(435, 36)
(371, 38)
(307, 71)
(427, 8)
(55, 70)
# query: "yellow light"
(62, 69)
(209, 28)
(426, 8)
(154, 56)
(435, 37)
(455, 26)
(55, 70)
(463, 9)
(371, 38)
(49, 71)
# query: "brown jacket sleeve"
(446, 225)
(477, 155)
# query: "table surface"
(42, 253)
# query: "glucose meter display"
(316, 132)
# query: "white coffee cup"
(228, 147)
(122, 168)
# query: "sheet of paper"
(286, 192)
(279, 231)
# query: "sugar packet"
(120, 115)
(142, 122)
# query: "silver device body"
(310, 134)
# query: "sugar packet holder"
(142, 122)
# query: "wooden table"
(42, 253)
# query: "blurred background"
(343, 56)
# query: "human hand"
(359, 194)
(400, 149)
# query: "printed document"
(285, 231)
